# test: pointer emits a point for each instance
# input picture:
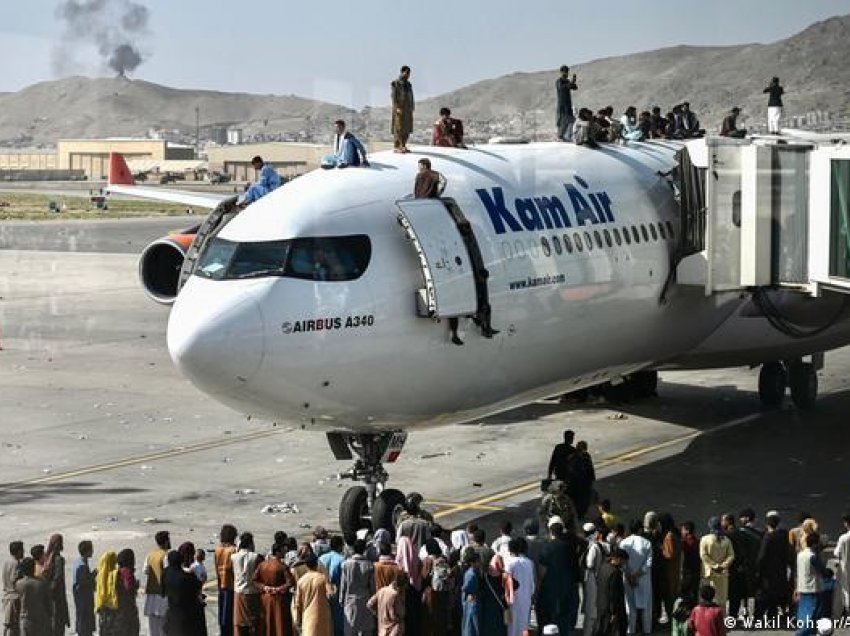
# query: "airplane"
(331, 302)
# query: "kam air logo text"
(539, 213)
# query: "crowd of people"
(575, 558)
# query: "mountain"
(811, 64)
(80, 107)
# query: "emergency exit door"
(447, 268)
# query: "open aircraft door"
(434, 228)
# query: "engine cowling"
(160, 264)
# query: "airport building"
(92, 155)
(27, 159)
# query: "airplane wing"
(121, 182)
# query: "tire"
(804, 385)
(773, 381)
(353, 510)
(384, 512)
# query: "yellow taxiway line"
(141, 459)
(485, 503)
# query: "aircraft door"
(447, 266)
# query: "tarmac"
(100, 438)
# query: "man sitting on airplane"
(268, 181)
(448, 131)
(348, 150)
(729, 128)
(689, 122)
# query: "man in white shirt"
(638, 575)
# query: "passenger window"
(670, 231)
(578, 243)
(635, 234)
(644, 233)
(627, 236)
(598, 238)
(588, 241)
(338, 258)
(607, 236)
(544, 242)
(568, 244)
(617, 238)
(653, 231)
(556, 243)
(661, 231)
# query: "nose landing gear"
(371, 505)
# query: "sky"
(346, 52)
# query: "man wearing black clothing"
(772, 567)
(740, 567)
(751, 538)
(559, 463)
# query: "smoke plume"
(113, 26)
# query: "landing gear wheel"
(388, 505)
(354, 510)
(804, 385)
(772, 383)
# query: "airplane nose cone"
(216, 342)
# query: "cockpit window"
(337, 258)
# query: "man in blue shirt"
(268, 181)
(348, 150)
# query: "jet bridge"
(764, 212)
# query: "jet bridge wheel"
(803, 380)
(773, 381)
(354, 510)
(387, 508)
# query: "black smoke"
(113, 26)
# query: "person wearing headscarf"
(35, 601)
(311, 611)
(273, 580)
(496, 597)
(127, 589)
(82, 585)
(185, 615)
(54, 576)
(716, 554)
(669, 563)
(357, 586)
(187, 555)
(373, 548)
(106, 595)
(407, 559)
(521, 571)
(304, 552)
(246, 602)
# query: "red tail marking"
(119, 173)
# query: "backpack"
(440, 576)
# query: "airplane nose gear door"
(444, 258)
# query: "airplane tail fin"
(119, 173)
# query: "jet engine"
(160, 265)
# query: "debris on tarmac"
(446, 453)
(618, 416)
(476, 484)
(154, 520)
(284, 508)
(246, 491)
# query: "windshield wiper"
(258, 274)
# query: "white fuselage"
(355, 355)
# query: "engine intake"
(159, 269)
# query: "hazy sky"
(347, 51)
